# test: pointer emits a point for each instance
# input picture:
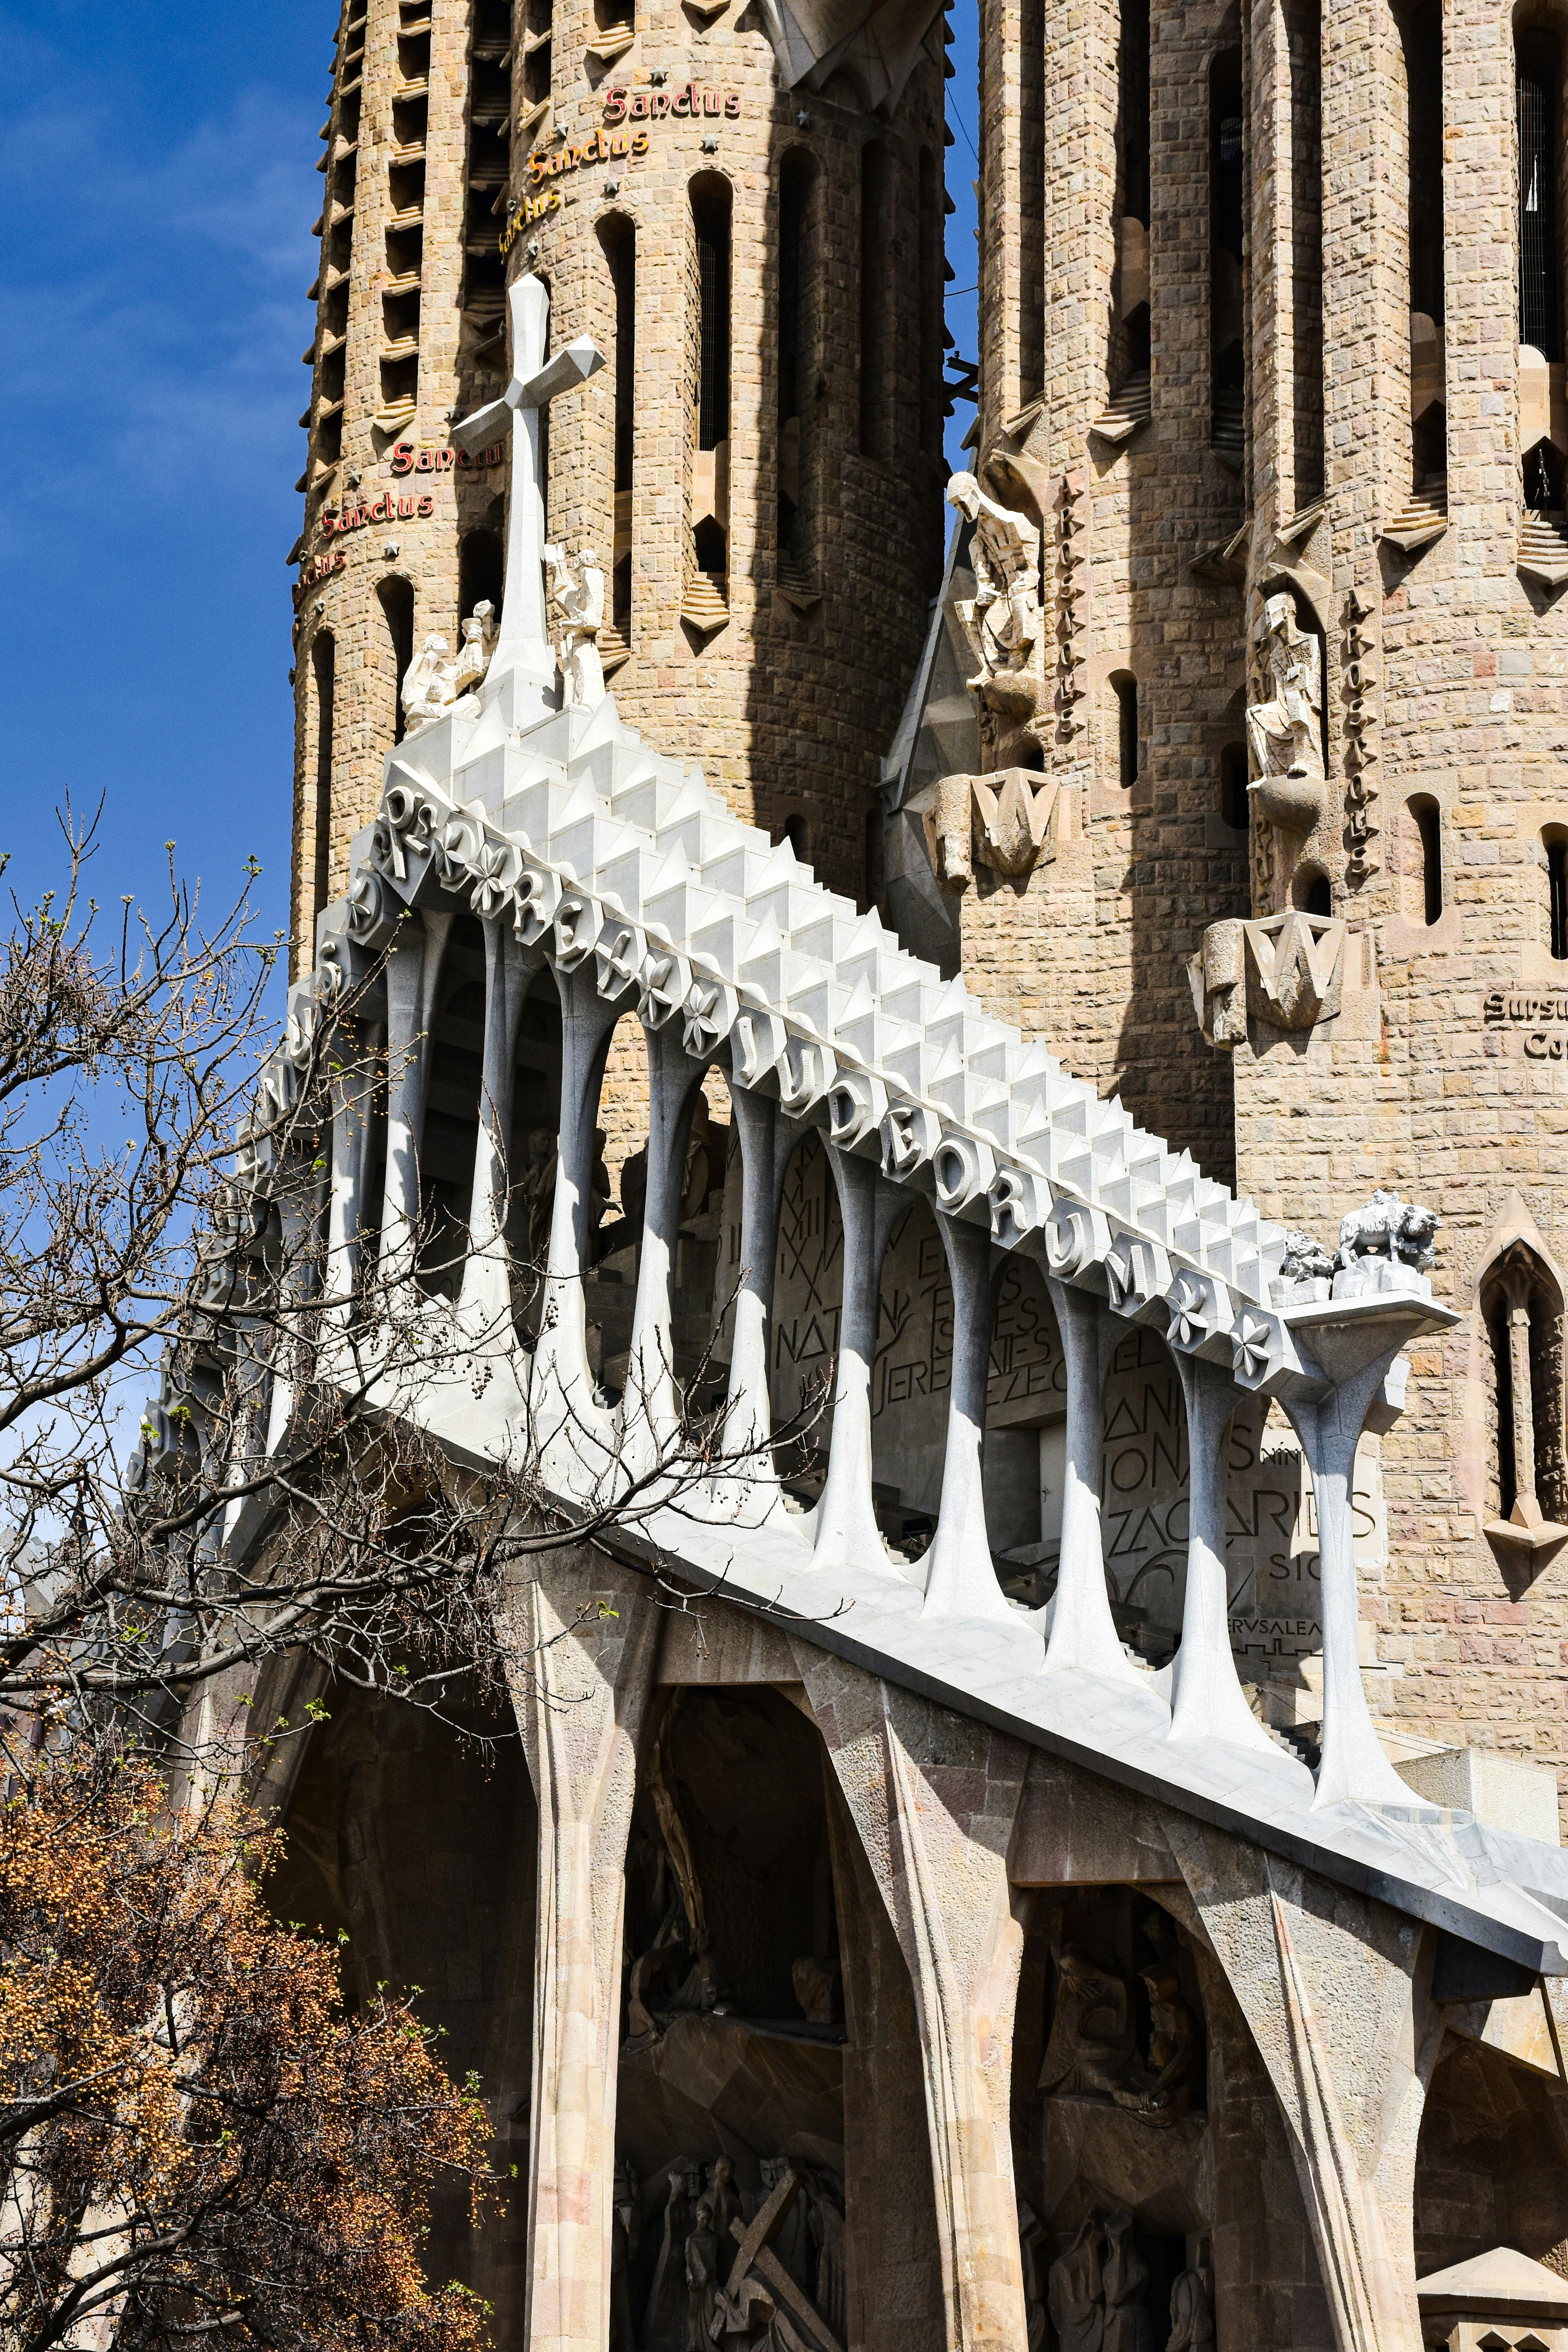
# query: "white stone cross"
(521, 646)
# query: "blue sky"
(157, 186)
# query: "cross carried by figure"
(521, 644)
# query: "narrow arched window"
(1427, 819)
(323, 658)
(1304, 34)
(876, 296)
(1521, 1306)
(481, 571)
(711, 219)
(617, 237)
(1132, 113)
(396, 600)
(1232, 801)
(1311, 891)
(1125, 687)
(797, 276)
(1555, 844)
(1538, 71)
(1227, 366)
(931, 312)
(798, 835)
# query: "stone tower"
(1272, 368)
(744, 208)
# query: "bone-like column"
(571, 1432)
(1083, 1632)
(583, 1648)
(1353, 1767)
(1207, 1701)
(413, 973)
(650, 1408)
(352, 1089)
(749, 1415)
(845, 1528)
(486, 1273)
(962, 1582)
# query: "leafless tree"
(164, 1214)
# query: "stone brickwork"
(791, 697)
(1443, 1071)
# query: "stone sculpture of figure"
(624, 2234)
(427, 683)
(533, 1191)
(1003, 620)
(1126, 2323)
(1091, 2046)
(474, 653)
(1167, 2085)
(577, 608)
(827, 2224)
(1305, 1258)
(1192, 2317)
(726, 2199)
(1284, 726)
(1075, 2290)
(703, 2257)
(1032, 2251)
(664, 2323)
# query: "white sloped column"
(1083, 1632)
(960, 1580)
(485, 1301)
(352, 1094)
(413, 973)
(651, 1407)
(1354, 1769)
(1207, 1702)
(845, 1531)
(749, 1411)
(572, 1433)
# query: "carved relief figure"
(701, 2277)
(1075, 2291)
(1192, 2317)
(1166, 2084)
(1284, 720)
(474, 653)
(576, 591)
(1003, 620)
(1091, 2046)
(1032, 2249)
(1126, 2275)
(664, 2323)
(428, 687)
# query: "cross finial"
(521, 648)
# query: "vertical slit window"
(1132, 112)
(1421, 39)
(1125, 685)
(875, 286)
(1227, 370)
(1428, 823)
(1031, 136)
(1303, 23)
(1557, 846)
(1537, 63)
(397, 609)
(323, 653)
(712, 219)
(793, 195)
(618, 238)
(711, 212)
